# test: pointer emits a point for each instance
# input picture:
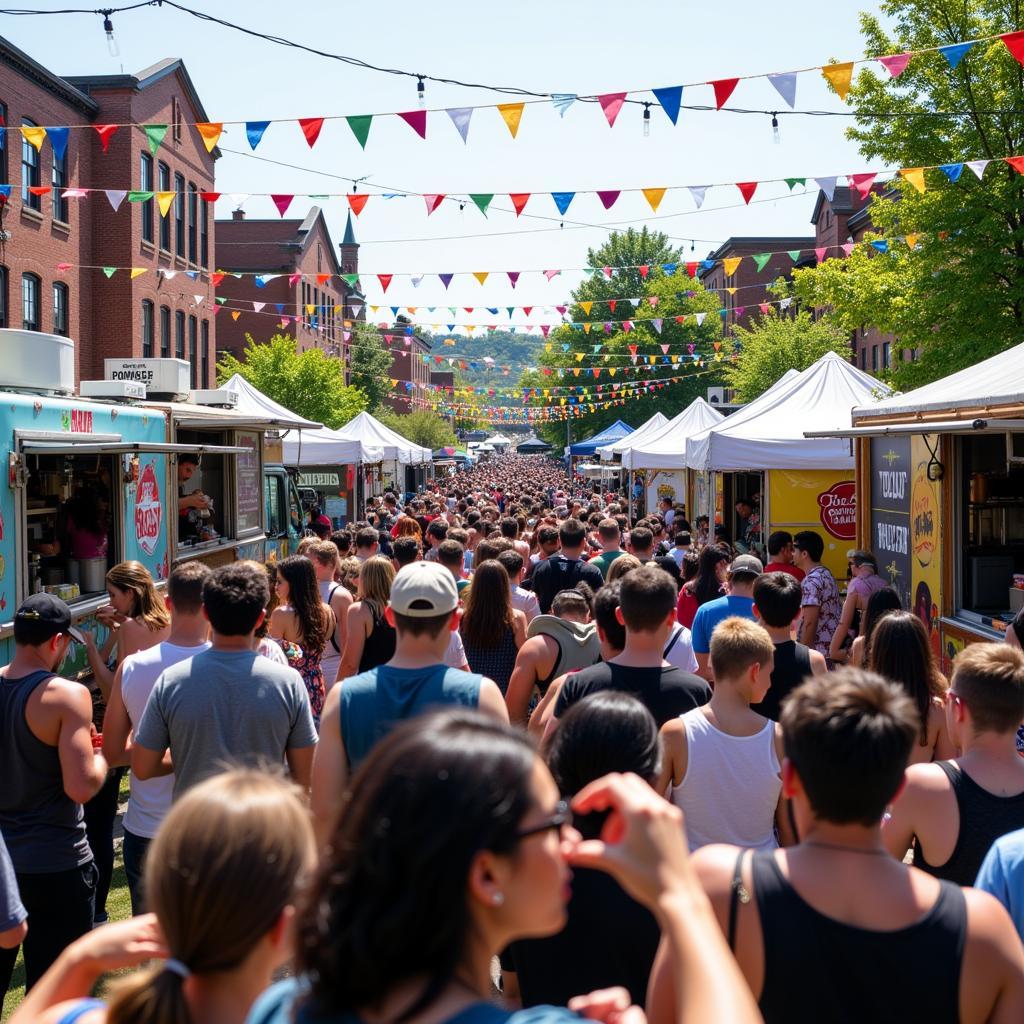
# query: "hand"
(112, 947)
(609, 1005)
(643, 841)
(90, 641)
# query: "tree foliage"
(778, 343)
(369, 362)
(958, 297)
(310, 383)
(422, 427)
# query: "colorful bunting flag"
(747, 190)
(163, 202)
(446, 279)
(562, 200)
(109, 271)
(513, 277)
(978, 167)
(611, 104)
(828, 186)
(416, 120)
(58, 141)
(356, 201)
(862, 183)
(785, 86)
(952, 171)
(511, 114)
(311, 128)
(794, 255)
(115, 196)
(608, 198)
(671, 99)
(360, 125)
(519, 201)
(762, 260)
(698, 192)
(1014, 42)
(433, 202)
(915, 175)
(654, 197)
(210, 132)
(460, 118)
(154, 136)
(562, 101)
(482, 201)
(723, 90)
(105, 131)
(137, 272)
(34, 135)
(896, 64)
(282, 202)
(1016, 162)
(791, 182)
(839, 77)
(481, 275)
(955, 52)
(730, 264)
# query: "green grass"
(119, 908)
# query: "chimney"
(238, 214)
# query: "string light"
(108, 28)
(776, 134)
(421, 93)
(647, 120)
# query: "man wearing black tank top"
(955, 810)
(834, 929)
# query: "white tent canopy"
(499, 441)
(372, 433)
(665, 448)
(652, 426)
(326, 447)
(255, 403)
(769, 433)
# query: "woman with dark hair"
(705, 586)
(492, 630)
(880, 603)
(302, 624)
(609, 939)
(901, 653)
(453, 844)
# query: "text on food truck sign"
(148, 510)
(890, 511)
(838, 510)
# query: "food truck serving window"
(248, 477)
(990, 522)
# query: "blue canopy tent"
(607, 436)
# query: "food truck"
(92, 480)
(940, 478)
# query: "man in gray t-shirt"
(228, 705)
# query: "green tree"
(777, 343)
(422, 427)
(368, 363)
(310, 383)
(958, 297)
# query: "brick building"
(292, 269)
(408, 365)
(168, 310)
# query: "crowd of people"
(503, 753)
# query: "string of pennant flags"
(838, 75)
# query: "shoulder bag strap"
(738, 893)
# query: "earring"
(498, 899)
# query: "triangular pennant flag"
(110, 271)
(133, 196)
(352, 280)
(747, 190)
(896, 64)
(671, 99)
(482, 200)
(955, 52)
(311, 128)
(915, 175)
(828, 186)
(911, 241)
(586, 307)
(154, 135)
(258, 306)
(511, 114)
(519, 200)
(137, 272)
(163, 202)
(235, 314)
(460, 118)
(34, 135)
(209, 197)
(115, 196)
(562, 101)
(199, 300)
(820, 253)
(446, 279)
(105, 131)
(654, 197)
(210, 132)
(1014, 42)
(1017, 163)
(75, 193)
(282, 202)
(562, 200)
(611, 104)
(481, 275)
(847, 248)
(656, 324)
(952, 171)
(785, 86)
(723, 90)
(608, 198)
(699, 317)
(839, 77)
(730, 264)
(791, 182)
(45, 190)
(416, 120)
(356, 201)
(698, 192)
(254, 132)
(862, 183)
(385, 280)
(360, 125)
(432, 201)
(58, 141)
(513, 277)
(762, 260)
(978, 167)
(880, 244)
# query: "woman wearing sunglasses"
(453, 843)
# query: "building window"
(204, 240)
(886, 355)
(165, 332)
(319, 258)
(193, 222)
(179, 335)
(874, 358)
(204, 342)
(864, 357)
(179, 214)
(147, 329)
(175, 119)
(146, 185)
(3, 297)
(29, 171)
(30, 302)
(61, 311)
(59, 181)
(193, 326)
(164, 177)
(3, 143)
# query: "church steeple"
(349, 249)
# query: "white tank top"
(731, 787)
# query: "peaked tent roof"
(607, 436)
(994, 382)
(373, 433)
(666, 448)
(255, 403)
(652, 426)
(769, 434)
(326, 447)
(532, 447)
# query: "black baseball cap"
(46, 610)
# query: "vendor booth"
(613, 452)
(760, 454)
(588, 447)
(535, 446)
(941, 483)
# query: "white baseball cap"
(423, 589)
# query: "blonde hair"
(738, 643)
(305, 544)
(623, 564)
(348, 572)
(147, 604)
(375, 578)
(227, 861)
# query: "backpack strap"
(738, 893)
(676, 634)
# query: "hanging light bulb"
(776, 135)
(647, 120)
(108, 28)
(421, 92)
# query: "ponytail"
(156, 996)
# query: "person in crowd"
(324, 557)
(805, 921)
(681, 546)
(780, 555)
(437, 534)
(707, 585)
(609, 939)
(777, 597)
(647, 599)
(87, 524)
(610, 537)
(367, 543)
(405, 551)
(625, 563)
(563, 571)
(954, 810)
(820, 610)
(452, 557)
(262, 642)
(523, 600)
(641, 543)
(880, 603)
(370, 636)
(49, 769)
(492, 630)
(864, 581)
(228, 704)
(901, 653)
(13, 915)
(342, 540)
(1002, 875)
(227, 870)
(466, 803)
(303, 624)
(742, 573)
(136, 676)
(423, 609)
(406, 526)
(348, 577)
(722, 763)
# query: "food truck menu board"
(890, 511)
(249, 483)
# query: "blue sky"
(569, 46)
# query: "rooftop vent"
(220, 397)
(113, 390)
(41, 363)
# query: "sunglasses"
(557, 821)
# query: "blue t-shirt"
(12, 911)
(374, 702)
(712, 613)
(1002, 874)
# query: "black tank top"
(379, 646)
(818, 969)
(984, 817)
(791, 667)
